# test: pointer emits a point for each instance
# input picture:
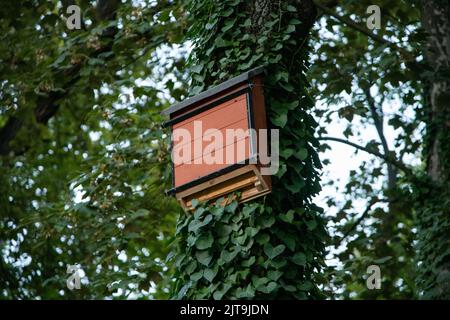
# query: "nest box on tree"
(215, 139)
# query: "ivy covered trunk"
(433, 214)
(272, 247)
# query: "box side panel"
(217, 117)
(209, 100)
(225, 143)
(230, 155)
(260, 117)
(213, 140)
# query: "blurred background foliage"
(84, 160)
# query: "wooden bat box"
(210, 156)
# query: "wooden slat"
(247, 180)
(219, 116)
(215, 181)
(206, 147)
(187, 172)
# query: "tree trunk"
(434, 197)
(272, 248)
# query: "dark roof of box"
(214, 90)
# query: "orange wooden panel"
(185, 173)
(209, 100)
(219, 116)
(203, 142)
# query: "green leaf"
(290, 28)
(203, 257)
(198, 212)
(286, 153)
(288, 217)
(280, 120)
(227, 13)
(248, 262)
(196, 69)
(226, 256)
(305, 286)
(291, 8)
(299, 258)
(271, 286)
(311, 224)
(228, 25)
(289, 240)
(204, 241)
(272, 252)
(382, 260)
(197, 276)
(274, 274)
(191, 267)
(220, 293)
(220, 43)
(209, 274)
(194, 203)
(268, 222)
(258, 282)
(262, 238)
(301, 154)
(231, 207)
(251, 232)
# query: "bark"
(436, 23)
(433, 204)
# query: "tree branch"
(349, 22)
(372, 202)
(389, 159)
(352, 24)
(46, 107)
(378, 121)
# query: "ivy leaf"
(196, 69)
(383, 260)
(247, 263)
(271, 286)
(191, 267)
(272, 252)
(258, 282)
(203, 257)
(194, 202)
(301, 154)
(288, 217)
(220, 43)
(299, 258)
(228, 25)
(291, 8)
(209, 274)
(305, 286)
(204, 241)
(296, 186)
(198, 212)
(274, 274)
(290, 28)
(311, 224)
(262, 238)
(220, 293)
(290, 241)
(231, 207)
(280, 120)
(197, 276)
(251, 232)
(226, 256)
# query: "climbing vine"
(273, 247)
